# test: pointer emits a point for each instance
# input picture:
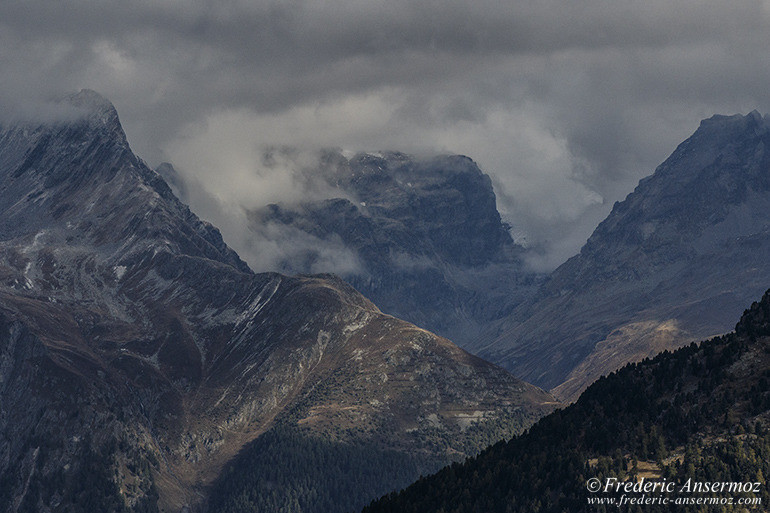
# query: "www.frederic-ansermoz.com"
(614, 492)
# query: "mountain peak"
(675, 261)
(755, 114)
(720, 122)
(97, 110)
(90, 99)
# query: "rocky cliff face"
(676, 261)
(428, 243)
(139, 354)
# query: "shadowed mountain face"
(425, 236)
(139, 354)
(676, 261)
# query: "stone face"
(134, 343)
(676, 261)
(428, 241)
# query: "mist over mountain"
(145, 367)
(139, 354)
(676, 261)
(421, 237)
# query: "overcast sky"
(566, 104)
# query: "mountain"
(699, 415)
(672, 263)
(424, 235)
(139, 355)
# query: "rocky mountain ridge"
(672, 263)
(139, 354)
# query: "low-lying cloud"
(268, 176)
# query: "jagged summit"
(398, 163)
(723, 164)
(98, 111)
(80, 177)
(754, 117)
(758, 117)
(90, 100)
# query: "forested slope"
(700, 413)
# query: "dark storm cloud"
(565, 104)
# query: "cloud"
(289, 250)
(254, 179)
(565, 104)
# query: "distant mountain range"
(145, 367)
(139, 355)
(676, 261)
(699, 415)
